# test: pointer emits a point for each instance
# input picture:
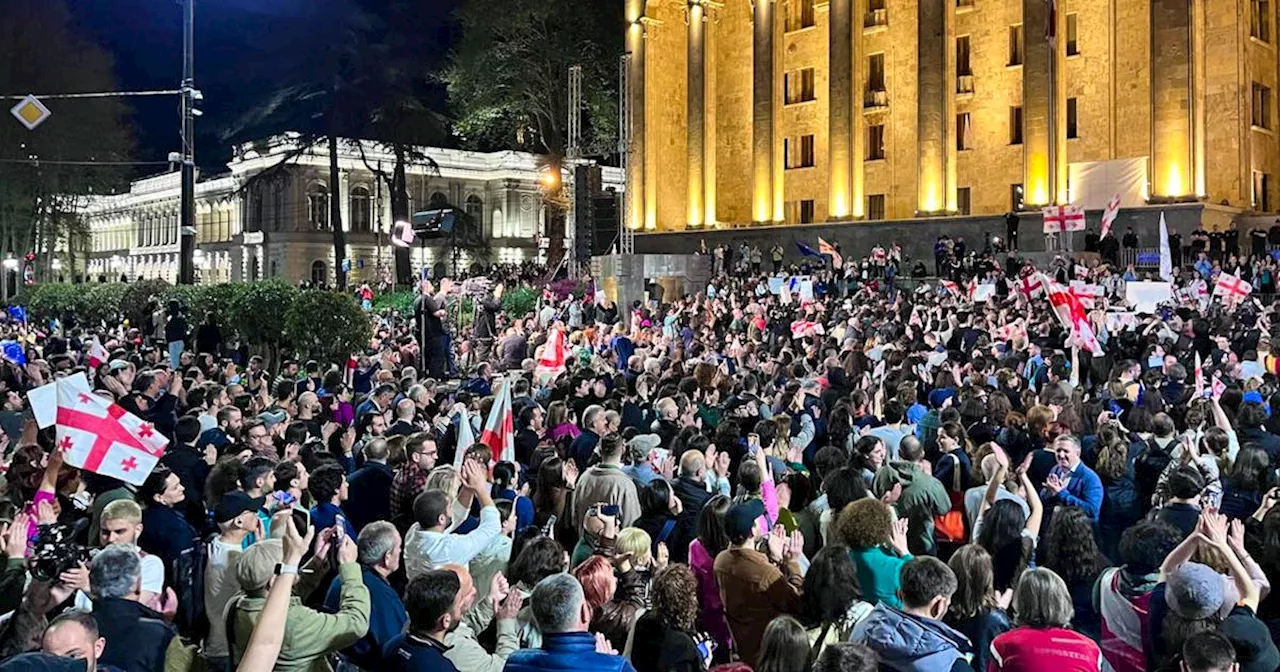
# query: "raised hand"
(899, 538)
(1055, 484)
(15, 540)
(777, 544)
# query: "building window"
(318, 206)
(475, 212)
(1073, 129)
(799, 152)
(1261, 191)
(319, 273)
(1015, 197)
(962, 56)
(964, 200)
(361, 209)
(964, 4)
(875, 72)
(798, 86)
(1261, 106)
(875, 206)
(877, 14)
(1073, 44)
(437, 201)
(800, 15)
(964, 132)
(875, 142)
(806, 212)
(1015, 45)
(1260, 19)
(1015, 125)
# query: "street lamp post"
(187, 224)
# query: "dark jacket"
(566, 651)
(582, 448)
(166, 533)
(369, 495)
(137, 637)
(188, 463)
(693, 497)
(658, 647)
(387, 618)
(216, 437)
(1265, 440)
(981, 630)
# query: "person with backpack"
(236, 516)
(1151, 462)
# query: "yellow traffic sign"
(31, 112)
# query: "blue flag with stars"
(13, 352)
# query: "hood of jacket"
(905, 642)
(894, 473)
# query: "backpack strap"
(667, 527)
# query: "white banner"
(1144, 297)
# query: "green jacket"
(310, 634)
(923, 497)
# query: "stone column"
(637, 185)
(762, 127)
(840, 108)
(935, 83)
(697, 82)
(1043, 107)
(1172, 85)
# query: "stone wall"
(917, 236)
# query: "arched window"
(319, 273)
(361, 209)
(318, 206)
(437, 200)
(475, 212)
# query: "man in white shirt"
(237, 517)
(122, 524)
(428, 545)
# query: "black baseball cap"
(235, 503)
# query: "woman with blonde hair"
(1043, 639)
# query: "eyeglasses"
(263, 435)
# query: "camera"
(55, 552)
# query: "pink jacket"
(710, 609)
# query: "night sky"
(239, 47)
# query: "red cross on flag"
(1031, 285)
(951, 287)
(827, 248)
(805, 328)
(1058, 218)
(99, 436)
(1109, 215)
(97, 354)
(499, 430)
(1071, 312)
(1231, 288)
(1012, 332)
(551, 363)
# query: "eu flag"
(809, 251)
(13, 353)
(18, 313)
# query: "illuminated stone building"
(799, 111)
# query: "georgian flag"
(1109, 215)
(97, 354)
(499, 430)
(99, 436)
(1071, 312)
(803, 328)
(551, 363)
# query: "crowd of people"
(848, 478)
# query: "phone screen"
(609, 510)
(301, 520)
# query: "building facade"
(278, 225)
(799, 111)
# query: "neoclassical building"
(249, 229)
(800, 111)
